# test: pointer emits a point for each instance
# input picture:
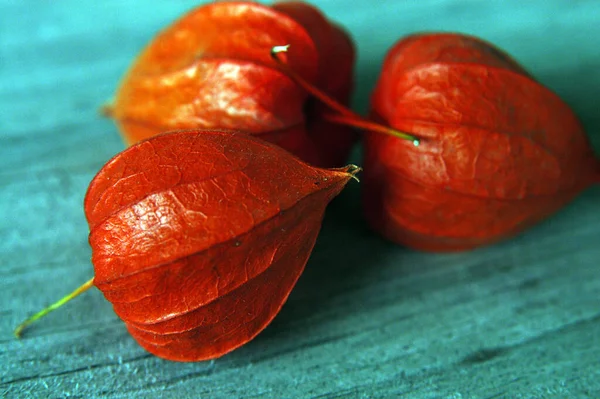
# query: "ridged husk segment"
(199, 236)
(500, 152)
(211, 69)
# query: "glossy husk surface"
(500, 152)
(199, 236)
(211, 69)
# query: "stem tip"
(346, 116)
(84, 287)
(279, 49)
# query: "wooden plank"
(368, 319)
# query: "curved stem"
(81, 289)
(371, 126)
(347, 116)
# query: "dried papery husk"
(199, 236)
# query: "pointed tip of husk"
(345, 173)
(353, 170)
(107, 110)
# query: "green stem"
(347, 117)
(81, 289)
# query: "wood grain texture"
(368, 319)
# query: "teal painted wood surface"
(368, 319)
